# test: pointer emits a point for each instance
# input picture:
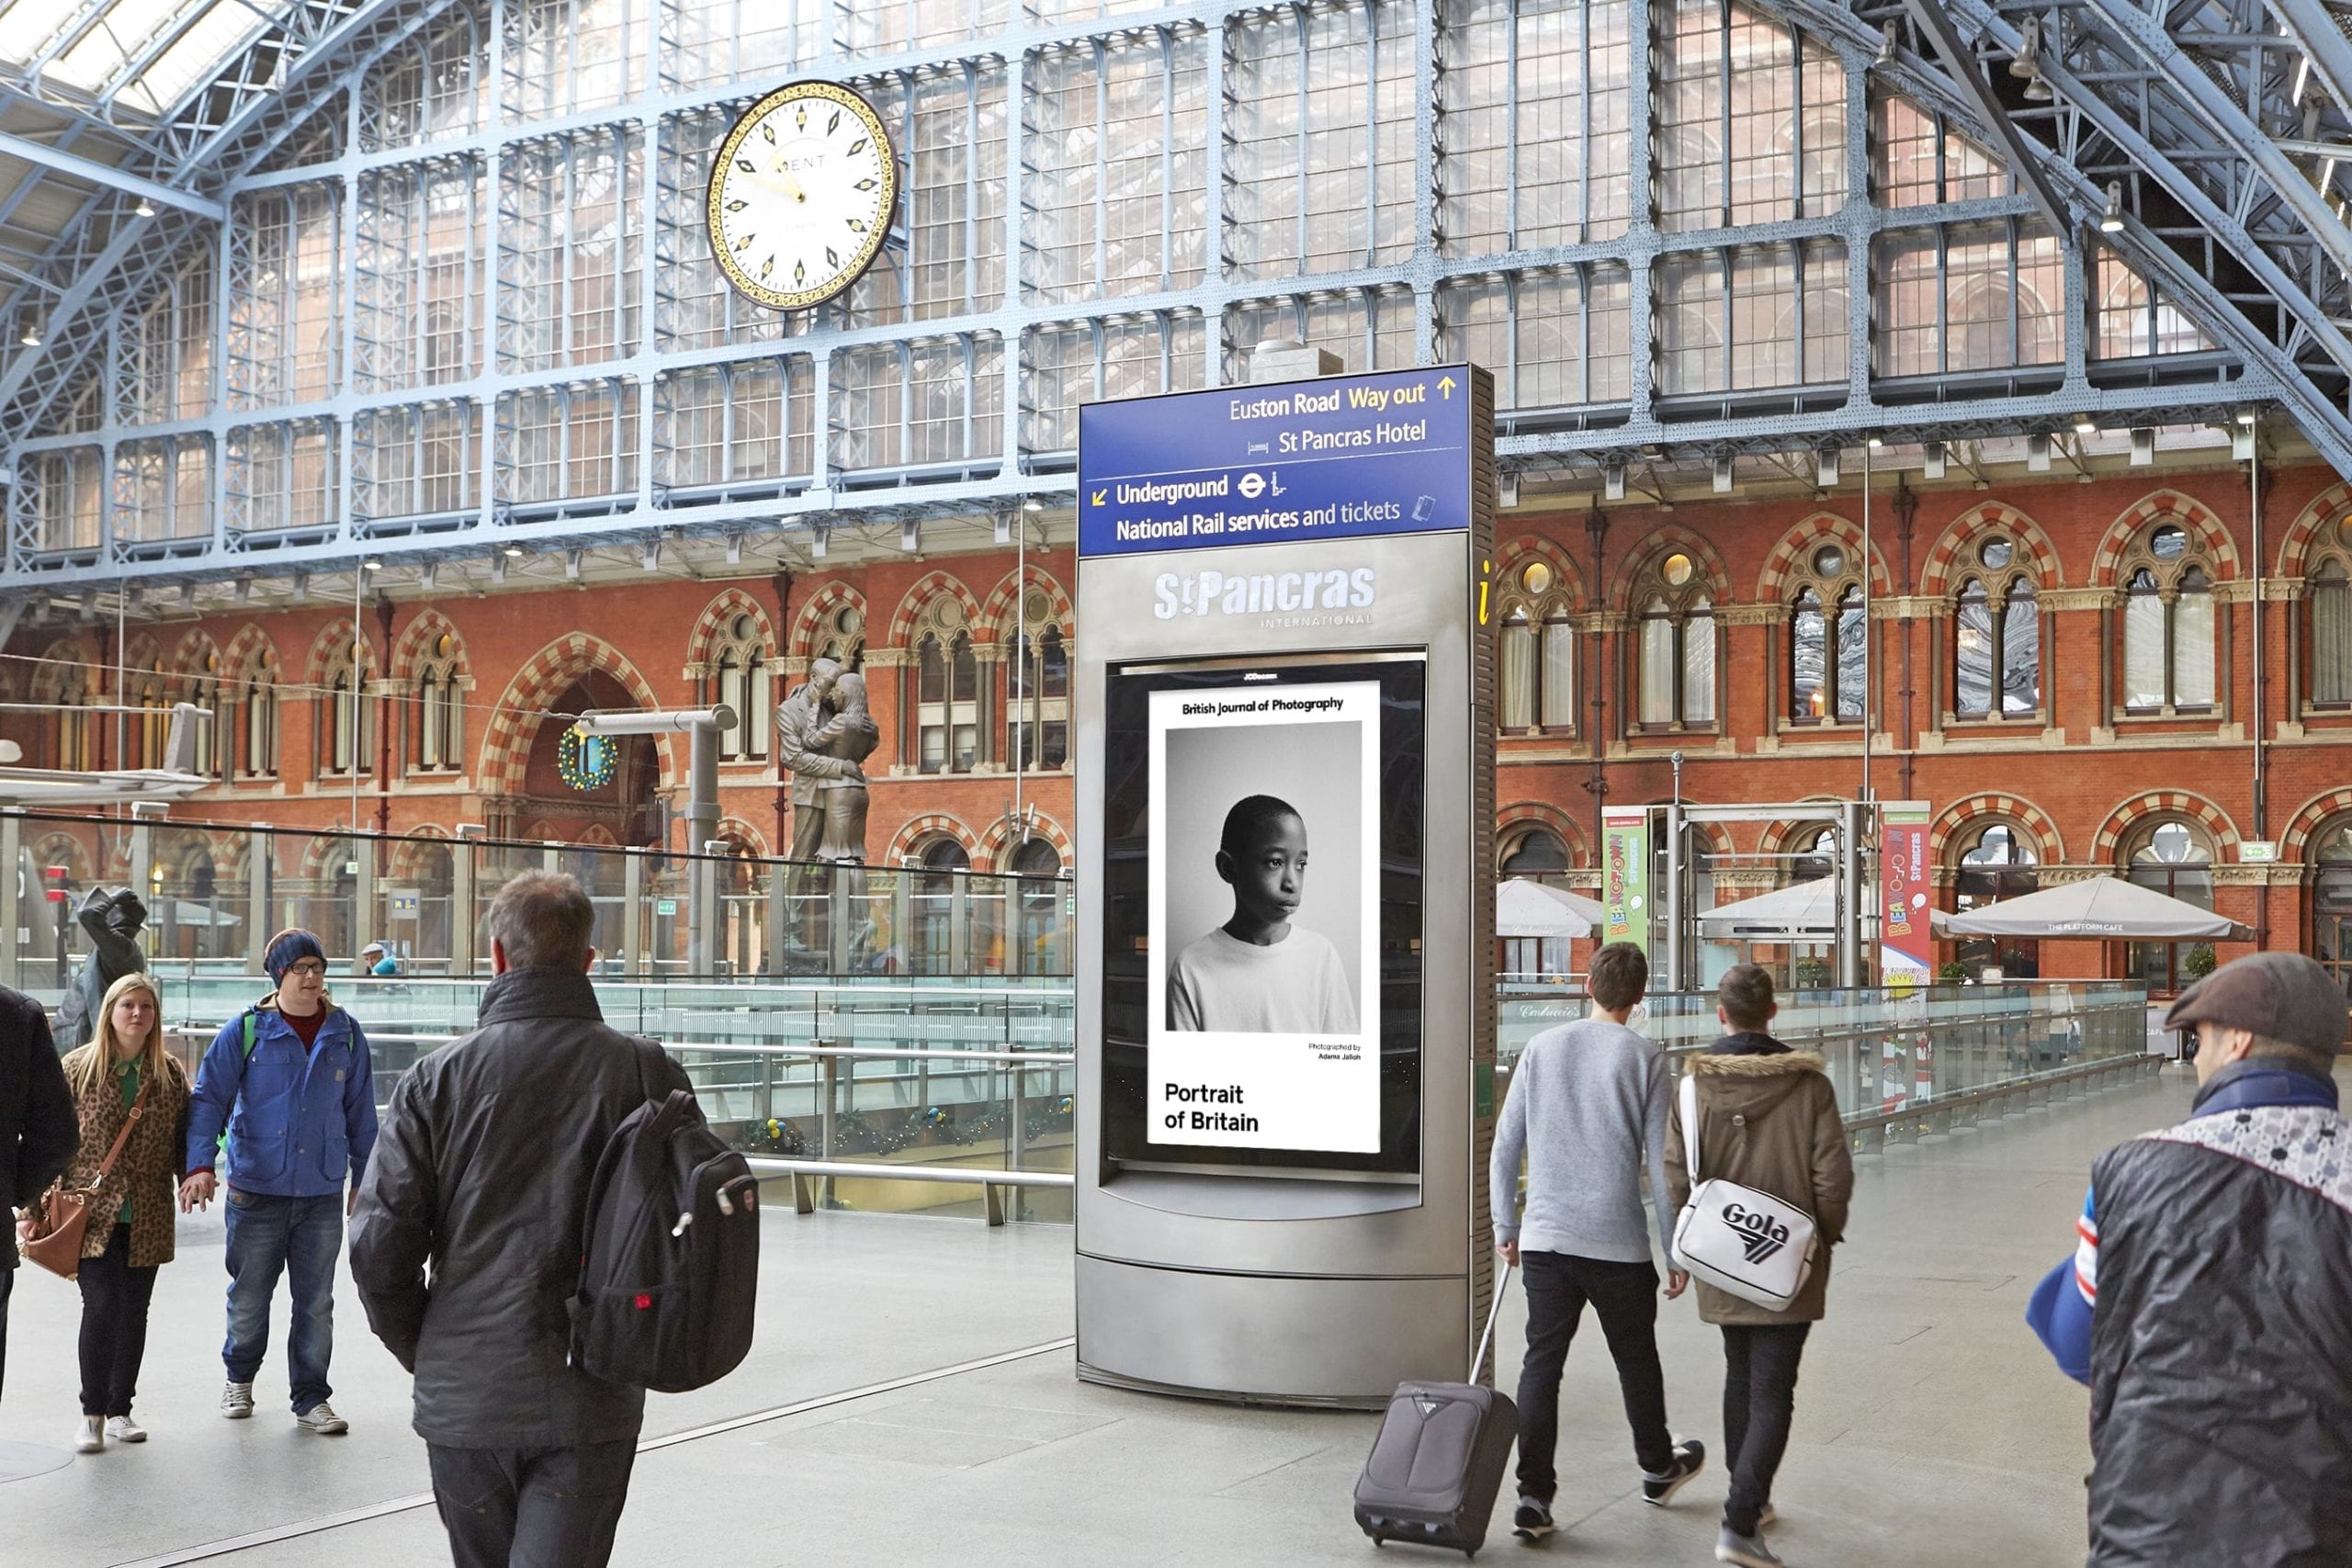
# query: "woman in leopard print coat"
(132, 1224)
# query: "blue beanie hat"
(288, 948)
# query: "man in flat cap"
(2209, 1302)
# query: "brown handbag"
(51, 1233)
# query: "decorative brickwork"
(818, 611)
(2162, 802)
(719, 615)
(1821, 527)
(1003, 838)
(1567, 579)
(1655, 545)
(2041, 834)
(546, 675)
(1953, 557)
(917, 598)
(2168, 506)
(922, 830)
(2294, 845)
(1513, 820)
(2329, 509)
(995, 622)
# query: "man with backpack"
(491, 1146)
(1587, 1107)
(290, 1083)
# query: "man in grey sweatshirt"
(1588, 1109)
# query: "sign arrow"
(1446, 386)
(1096, 497)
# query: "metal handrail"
(738, 1048)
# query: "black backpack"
(670, 1253)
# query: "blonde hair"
(84, 1067)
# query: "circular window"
(1036, 608)
(1995, 553)
(2344, 531)
(1676, 570)
(212, 662)
(741, 628)
(1829, 561)
(849, 621)
(2168, 543)
(444, 644)
(1535, 577)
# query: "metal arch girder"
(91, 171)
(2323, 43)
(2247, 139)
(349, 31)
(2323, 423)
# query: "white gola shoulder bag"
(1735, 1238)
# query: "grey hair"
(544, 920)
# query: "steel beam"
(91, 171)
(1938, 26)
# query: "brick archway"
(326, 648)
(2049, 846)
(831, 597)
(730, 602)
(1953, 556)
(1522, 815)
(409, 852)
(922, 830)
(2170, 505)
(2294, 845)
(735, 830)
(250, 648)
(2162, 803)
(1004, 836)
(544, 676)
(414, 645)
(1772, 583)
(2330, 505)
(912, 603)
(1567, 582)
(1658, 543)
(996, 617)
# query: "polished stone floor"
(910, 1401)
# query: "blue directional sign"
(1337, 457)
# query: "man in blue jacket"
(2209, 1302)
(290, 1084)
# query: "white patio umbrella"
(2099, 908)
(1799, 911)
(1524, 908)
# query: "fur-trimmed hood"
(1756, 1065)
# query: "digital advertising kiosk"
(1285, 770)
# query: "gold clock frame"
(870, 249)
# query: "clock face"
(802, 193)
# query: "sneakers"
(1533, 1519)
(123, 1429)
(1748, 1550)
(1689, 1458)
(237, 1401)
(90, 1436)
(320, 1419)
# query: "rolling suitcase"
(1439, 1459)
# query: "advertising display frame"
(1392, 916)
(1305, 1283)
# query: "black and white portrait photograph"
(1263, 867)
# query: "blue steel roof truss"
(2207, 120)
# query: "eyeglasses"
(309, 967)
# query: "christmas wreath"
(585, 762)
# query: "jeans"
(114, 1325)
(7, 1284)
(302, 1237)
(532, 1507)
(1624, 1296)
(1760, 1401)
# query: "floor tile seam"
(321, 1524)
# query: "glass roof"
(144, 54)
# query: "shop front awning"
(2101, 908)
(1524, 908)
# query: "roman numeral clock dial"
(802, 194)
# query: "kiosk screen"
(1261, 977)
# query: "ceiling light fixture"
(145, 209)
(371, 566)
(1031, 504)
(2110, 222)
(2085, 425)
(31, 336)
(513, 552)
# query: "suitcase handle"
(1494, 1313)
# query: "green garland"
(585, 762)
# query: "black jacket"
(39, 1131)
(2222, 1343)
(482, 1170)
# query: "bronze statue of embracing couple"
(823, 735)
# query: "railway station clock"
(802, 194)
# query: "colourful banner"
(1906, 946)
(1625, 874)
